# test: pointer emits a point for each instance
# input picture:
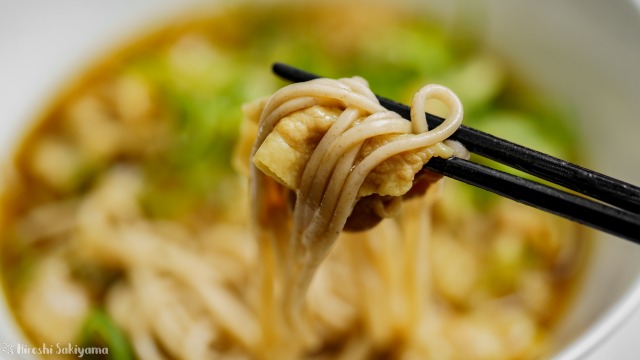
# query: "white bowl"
(584, 53)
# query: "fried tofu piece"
(285, 152)
(287, 149)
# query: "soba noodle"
(337, 170)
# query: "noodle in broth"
(129, 225)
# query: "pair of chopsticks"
(617, 212)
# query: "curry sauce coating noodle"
(332, 143)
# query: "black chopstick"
(623, 221)
(588, 182)
(597, 215)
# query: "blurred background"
(69, 34)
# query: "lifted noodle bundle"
(328, 156)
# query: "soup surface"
(126, 223)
